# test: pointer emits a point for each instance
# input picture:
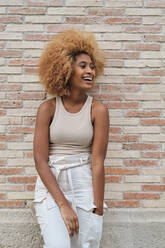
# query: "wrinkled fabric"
(54, 231)
(74, 176)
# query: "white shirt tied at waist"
(74, 177)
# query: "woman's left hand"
(98, 211)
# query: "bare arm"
(41, 154)
(99, 149)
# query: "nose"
(89, 70)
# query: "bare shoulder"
(46, 110)
(47, 106)
(99, 108)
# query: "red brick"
(26, 96)
(10, 19)
(123, 20)
(11, 104)
(135, 113)
(29, 154)
(141, 146)
(12, 204)
(140, 162)
(30, 187)
(162, 154)
(141, 80)
(160, 38)
(123, 55)
(20, 129)
(153, 187)
(2, 27)
(57, 28)
(105, 12)
(124, 138)
(123, 204)
(43, 37)
(9, 171)
(113, 179)
(120, 88)
(26, 11)
(10, 53)
(22, 179)
(110, 97)
(10, 87)
(32, 70)
(153, 72)
(2, 146)
(85, 20)
(122, 105)
(141, 196)
(143, 29)
(2, 162)
(151, 122)
(157, 4)
(116, 130)
(2, 196)
(151, 155)
(2, 112)
(143, 47)
(27, 62)
(121, 171)
(9, 137)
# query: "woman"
(70, 144)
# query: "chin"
(89, 86)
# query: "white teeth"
(88, 79)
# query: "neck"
(76, 97)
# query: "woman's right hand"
(70, 219)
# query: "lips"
(89, 79)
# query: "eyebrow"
(84, 62)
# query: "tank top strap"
(90, 101)
(57, 102)
(88, 107)
(57, 110)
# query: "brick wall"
(132, 34)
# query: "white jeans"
(73, 174)
(55, 233)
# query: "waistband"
(69, 159)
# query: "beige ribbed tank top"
(71, 133)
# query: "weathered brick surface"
(131, 33)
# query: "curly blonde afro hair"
(55, 65)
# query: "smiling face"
(83, 72)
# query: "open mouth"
(88, 79)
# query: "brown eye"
(82, 66)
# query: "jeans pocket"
(96, 223)
(41, 214)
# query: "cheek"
(78, 72)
